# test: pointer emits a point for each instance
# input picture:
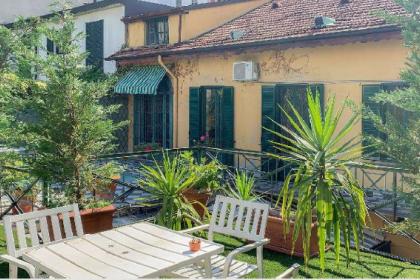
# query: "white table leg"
(207, 267)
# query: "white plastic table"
(140, 250)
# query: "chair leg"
(13, 271)
(37, 273)
(260, 261)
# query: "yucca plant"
(243, 187)
(321, 181)
(165, 182)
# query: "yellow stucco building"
(287, 44)
(216, 72)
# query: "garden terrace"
(383, 195)
(384, 187)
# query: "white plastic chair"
(37, 225)
(237, 218)
(291, 272)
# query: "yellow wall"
(198, 21)
(136, 34)
(343, 69)
(194, 22)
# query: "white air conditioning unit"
(245, 71)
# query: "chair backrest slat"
(67, 225)
(78, 222)
(56, 228)
(20, 229)
(33, 232)
(44, 229)
(46, 219)
(250, 226)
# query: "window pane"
(157, 31)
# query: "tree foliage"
(402, 141)
(51, 109)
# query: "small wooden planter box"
(283, 244)
(93, 220)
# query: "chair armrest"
(291, 272)
(30, 269)
(239, 250)
(195, 229)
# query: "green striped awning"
(142, 80)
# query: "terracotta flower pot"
(93, 220)
(195, 245)
(193, 195)
(25, 204)
(97, 219)
(109, 194)
(283, 244)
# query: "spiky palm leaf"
(243, 187)
(321, 181)
(166, 183)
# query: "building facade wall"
(114, 31)
(343, 69)
(194, 22)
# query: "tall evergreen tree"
(58, 119)
(402, 121)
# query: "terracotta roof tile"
(291, 19)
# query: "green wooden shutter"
(95, 43)
(227, 118)
(195, 116)
(268, 111)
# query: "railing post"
(394, 189)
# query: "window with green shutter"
(274, 96)
(152, 120)
(95, 44)
(52, 47)
(211, 112)
(157, 31)
(368, 127)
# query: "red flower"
(202, 138)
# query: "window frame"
(156, 33)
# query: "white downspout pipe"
(174, 78)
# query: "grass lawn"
(370, 266)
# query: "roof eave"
(303, 39)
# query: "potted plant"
(321, 182)
(96, 215)
(14, 180)
(208, 177)
(243, 187)
(105, 186)
(26, 203)
(166, 183)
